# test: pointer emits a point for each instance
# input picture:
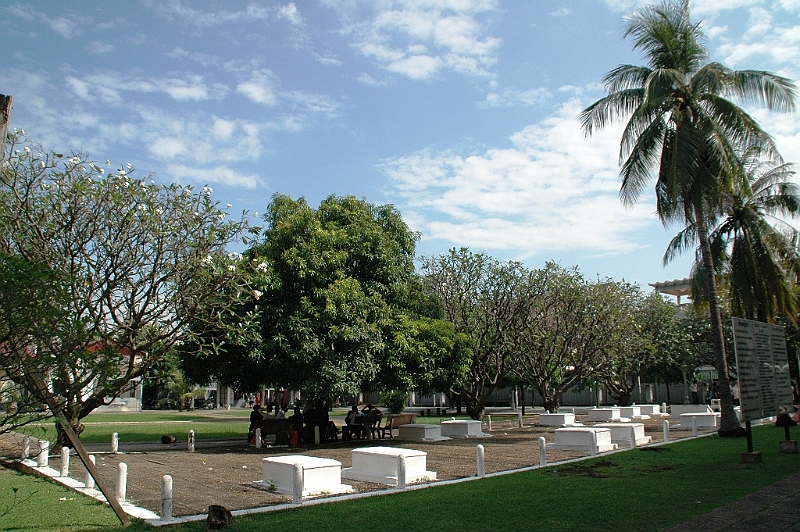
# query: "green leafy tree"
(487, 302)
(337, 306)
(684, 129)
(138, 259)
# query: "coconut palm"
(684, 129)
(753, 249)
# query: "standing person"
(695, 393)
(255, 417)
(735, 393)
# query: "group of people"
(356, 424)
(305, 418)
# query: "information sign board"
(762, 366)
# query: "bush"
(395, 401)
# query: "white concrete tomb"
(580, 438)
(562, 419)
(603, 414)
(319, 474)
(421, 432)
(379, 464)
(621, 433)
(650, 410)
(461, 428)
(705, 420)
(632, 412)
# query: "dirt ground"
(223, 472)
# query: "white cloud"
(289, 13)
(110, 86)
(99, 47)
(260, 88)
(222, 175)
(553, 190)
(420, 39)
(513, 96)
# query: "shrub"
(395, 401)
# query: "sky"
(463, 114)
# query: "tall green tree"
(139, 261)
(337, 307)
(754, 249)
(683, 128)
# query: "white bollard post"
(481, 461)
(115, 442)
(122, 481)
(297, 484)
(190, 441)
(89, 484)
(664, 408)
(64, 462)
(257, 437)
(666, 430)
(489, 421)
(26, 447)
(401, 471)
(592, 444)
(542, 451)
(694, 426)
(519, 420)
(316, 435)
(166, 497)
(43, 457)
(633, 437)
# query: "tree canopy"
(338, 307)
(137, 260)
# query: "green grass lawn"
(644, 489)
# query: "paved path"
(774, 508)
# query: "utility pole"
(5, 112)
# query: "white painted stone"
(421, 432)
(705, 420)
(564, 419)
(621, 433)
(579, 439)
(319, 474)
(603, 414)
(379, 464)
(461, 428)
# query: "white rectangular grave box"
(602, 414)
(621, 433)
(319, 474)
(562, 419)
(630, 411)
(650, 410)
(461, 428)
(420, 432)
(380, 464)
(579, 439)
(705, 420)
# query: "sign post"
(762, 366)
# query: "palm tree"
(753, 249)
(683, 128)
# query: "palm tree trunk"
(729, 423)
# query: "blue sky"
(461, 113)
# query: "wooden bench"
(273, 426)
(394, 421)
